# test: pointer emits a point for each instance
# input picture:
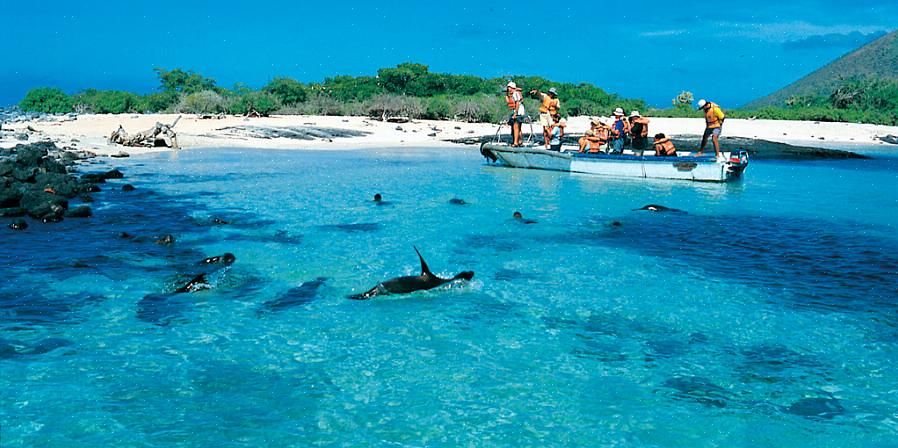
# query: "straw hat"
(553, 91)
(635, 113)
(618, 112)
(511, 85)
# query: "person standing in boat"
(664, 147)
(639, 131)
(515, 101)
(549, 106)
(714, 117)
(619, 130)
(556, 132)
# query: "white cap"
(701, 103)
(618, 111)
(635, 113)
(512, 85)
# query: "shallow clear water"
(767, 314)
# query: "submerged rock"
(81, 211)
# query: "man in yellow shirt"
(548, 106)
(714, 117)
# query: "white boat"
(628, 164)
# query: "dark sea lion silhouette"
(226, 259)
(195, 284)
(520, 218)
(658, 208)
(297, 296)
(18, 224)
(457, 201)
(411, 283)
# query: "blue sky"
(731, 53)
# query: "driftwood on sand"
(160, 135)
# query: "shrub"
(47, 100)
(181, 81)
(205, 102)
(385, 105)
(263, 103)
(159, 102)
(289, 91)
(107, 101)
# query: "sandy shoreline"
(89, 132)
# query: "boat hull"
(684, 168)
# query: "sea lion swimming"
(520, 218)
(297, 296)
(18, 224)
(195, 284)
(404, 285)
(457, 201)
(226, 259)
(658, 208)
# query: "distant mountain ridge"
(876, 59)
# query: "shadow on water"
(819, 264)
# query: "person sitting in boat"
(548, 107)
(595, 137)
(664, 147)
(556, 132)
(619, 130)
(639, 131)
(515, 101)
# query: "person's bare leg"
(714, 139)
(701, 149)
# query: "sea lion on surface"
(404, 285)
(226, 259)
(166, 240)
(520, 218)
(18, 224)
(658, 208)
(457, 201)
(197, 283)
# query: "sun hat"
(553, 91)
(635, 113)
(618, 111)
(701, 104)
(596, 120)
(605, 120)
(512, 85)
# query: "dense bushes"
(289, 92)
(47, 100)
(412, 90)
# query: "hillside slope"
(876, 59)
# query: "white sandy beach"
(90, 132)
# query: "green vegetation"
(47, 100)
(412, 90)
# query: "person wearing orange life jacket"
(548, 106)
(639, 131)
(595, 137)
(515, 101)
(664, 147)
(714, 117)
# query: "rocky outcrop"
(35, 181)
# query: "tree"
(289, 91)
(205, 102)
(47, 100)
(683, 100)
(181, 81)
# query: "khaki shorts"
(545, 120)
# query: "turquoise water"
(766, 315)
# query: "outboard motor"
(487, 153)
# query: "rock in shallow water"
(81, 211)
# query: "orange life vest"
(665, 147)
(549, 105)
(711, 118)
(512, 104)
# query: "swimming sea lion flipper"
(425, 271)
